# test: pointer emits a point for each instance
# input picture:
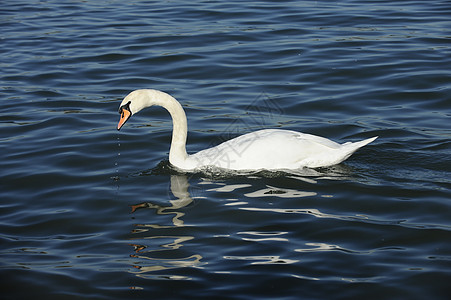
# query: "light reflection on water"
(151, 244)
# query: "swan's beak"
(125, 115)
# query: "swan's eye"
(125, 106)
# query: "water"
(89, 212)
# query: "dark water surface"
(87, 212)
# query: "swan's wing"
(282, 137)
(265, 149)
(317, 140)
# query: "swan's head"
(133, 103)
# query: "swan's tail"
(353, 147)
(357, 145)
(336, 155)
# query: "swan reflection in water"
(150, 260)
(161, 254)
(179, 188)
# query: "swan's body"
(269, 149)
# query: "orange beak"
(125, 115)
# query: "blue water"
(88, 212)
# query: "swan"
(268, 149)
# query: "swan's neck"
(177, 152)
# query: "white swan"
(270, 149)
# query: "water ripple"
(88, 212)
